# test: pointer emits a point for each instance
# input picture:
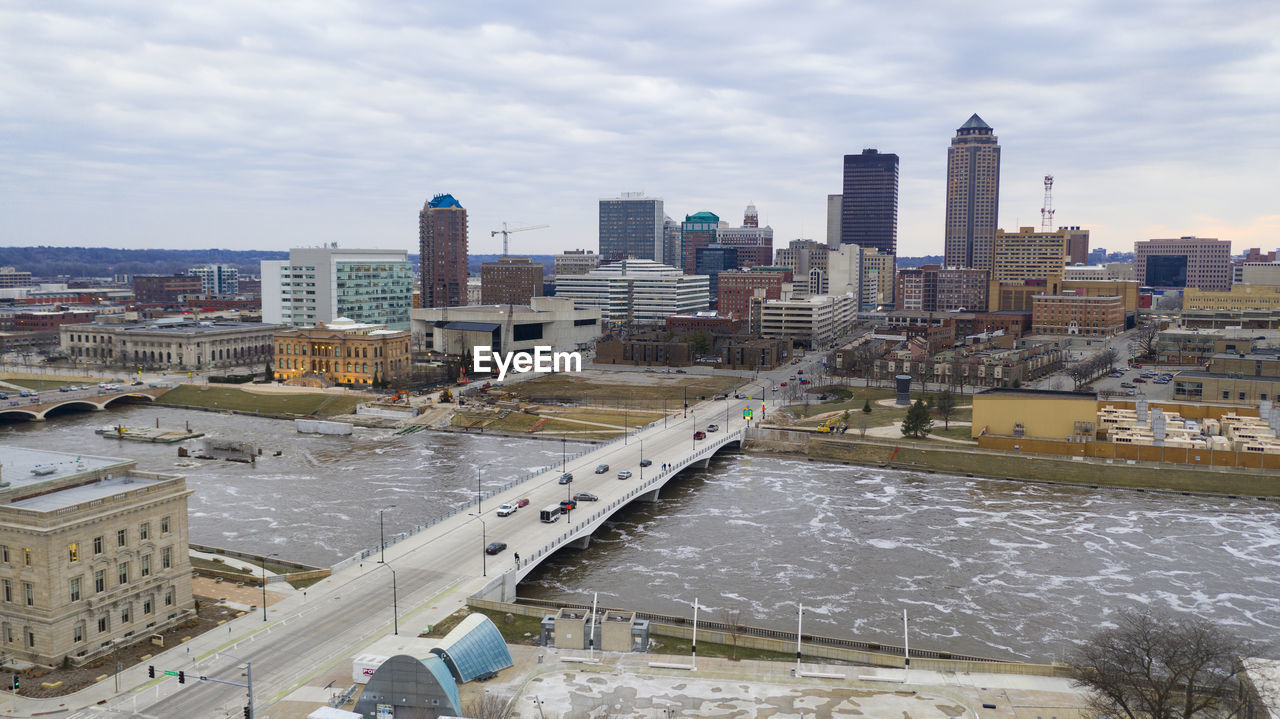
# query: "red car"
(1138, 379)
(699, 435)
(799, 371)
(782, 384)
(522, 502)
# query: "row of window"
(99, 579)
(104, 622)
(73, 549)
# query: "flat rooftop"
(19, 463)
(72, 496)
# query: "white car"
(507, 510)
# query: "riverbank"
(1141, 477)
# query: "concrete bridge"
(92, 399)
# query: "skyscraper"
(869, 205)
(697, 230)
(973, 195)
(442, 248)
(631, 226)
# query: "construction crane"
(505, 232)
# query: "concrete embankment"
(1140, 476)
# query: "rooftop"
(21, 464)
(444, 200)
(975, 123)
(71, 496)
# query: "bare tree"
(487, 706)
(1158, 665)
(945, 405)
(732, 620)
(1145, 339)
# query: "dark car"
(566, 478)
(646, 462)
(1138, 379)
(567, 505)
(137, 383)
(699, 435)
(739, 396)
(602, 468)
(522, 502)
(799, 371)
(495, 547)
(585, 497)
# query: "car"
(1138, 379)
(624, 474)
(713, 428)
(602, 468)
(646, 462)
(739, 396)
(1126, 385)
(137, 383)
(585, 497)
(24, 393)
(722, 396)
(522, 502)
(699, 435)
(782, 384)
(495, 547)
(507, 510)
(680, 371)
(566, 478)
(64, 388)
(775, 387)
(1130, 393)
(799, 371)
(567, 505)
(805, 381)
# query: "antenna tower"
(1046, 210)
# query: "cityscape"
(813, 403)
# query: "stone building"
(172, 343)
(342, 352)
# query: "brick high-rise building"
(697, 230)
(1077, 245)
(941, 289)
(165, 289)
(736, 288)
(1029, 254)
(753, 242)
(631, 227)
(1200, 262)
(973, 195)
(442, 247)
(869, 205)
(510, 281)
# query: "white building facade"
(318, 285)
(813, 321)
(636, 292)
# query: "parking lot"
(1147, 386)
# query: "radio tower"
(1046, 211)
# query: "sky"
(291, 123)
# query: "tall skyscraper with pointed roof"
(973, 196)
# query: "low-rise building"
(171, 343)
(1077, 315)
(92, 551)
(812, 321)
(1240, 297)
(165, 289)
(709, 322)
(576, 262)
(987, 366)
(342, 352)
(11, 277)
(1188, 346)
(545, 321)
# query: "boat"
(41, 470)
(112, 430)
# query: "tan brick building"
(510, 281)
(1077, 315)
(342, 352)
(92, 551)
(1028, 254)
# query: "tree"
(1145, 339)
(917, 423)
(700, 340)
(866, 406)
(487, 706)
(945, 403)
(732, 620)
(1158, 665)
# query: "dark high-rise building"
(631, 227)
(973, 196)
(869, 205)
(697, 230)
(442, 248)
(510, 281)
(711, 261)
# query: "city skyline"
(273, 128)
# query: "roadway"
(433, 572)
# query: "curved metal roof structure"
(475, 647)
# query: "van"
(550, 513)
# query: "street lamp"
(264, 585)
(395, 608)
(564, 454)
(484, 541)
(382, 538)
(486, 464)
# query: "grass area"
(232, 398)
(43, 385)
(522, 422)
(880, 416)
(646, 389)
(953, 433)
(202, 563)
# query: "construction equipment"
(505, 232)
(402, 394)
(830, 425)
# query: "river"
(986, 567)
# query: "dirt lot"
(623, 389)
(73, 679)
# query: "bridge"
(37, 408)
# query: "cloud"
(281, 124)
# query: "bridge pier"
(651, 496)
(581, 542)
(703, 463)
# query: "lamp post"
(484, 541)
(685, 394)
(486, 464)
(642, 461)
(564, 454)
(395, 608)
(382, 537)
(264, 585)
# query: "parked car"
(136, 383)
(566, 478)
(799, 371)
(585, 497)
(624, 474)
(495, 547)
(507, 510)
(522, 502)
(699, 435)
(602, 468)
(713, 428)
(1138, 379)
(805, 381)
(1126, 385)
(782, 384)
(739, 396)
(646, 462)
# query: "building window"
(122, 537)
(75, 589)
(103, 623)
(77, 634)
(73, 552)
(26, 556)
(31, 639)
(99, 581)
(97, 545)
(4, 553)
(146, 606)
(124, 616)
(124, 572)
(8, 589)
(168, 598)
(8, 634)
(29, 592)
(144, 530)
(164, 525)
(146, 566)
(164, 558)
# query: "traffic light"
(182, 677)
(151, 671)
(16, 683)
(247, 713)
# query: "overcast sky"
(269, 125)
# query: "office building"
(878, 278)
(92, 551)
(835, 205)
(1072, 314)
(1077, 245)
(11, 277)
(844, 266)
(317, 285)
(1116, 271)
(546, 321)
(217, 279)
(165, 289)
(170, 343)
(812, 322)
(576, 262)
(973, 196)
(1127, 291)
(711, 261)
(636, 291)
(1199, 262)
(697, 230)
(808, 261)
(1238, 298)
(753, 242)
(736, 289)
(941, 289)
(1029, 254)
(672, 242)
(631, 227)
(510, 281)
(1256, 273)
(341, 352)
(869, 204)
(442, 252)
